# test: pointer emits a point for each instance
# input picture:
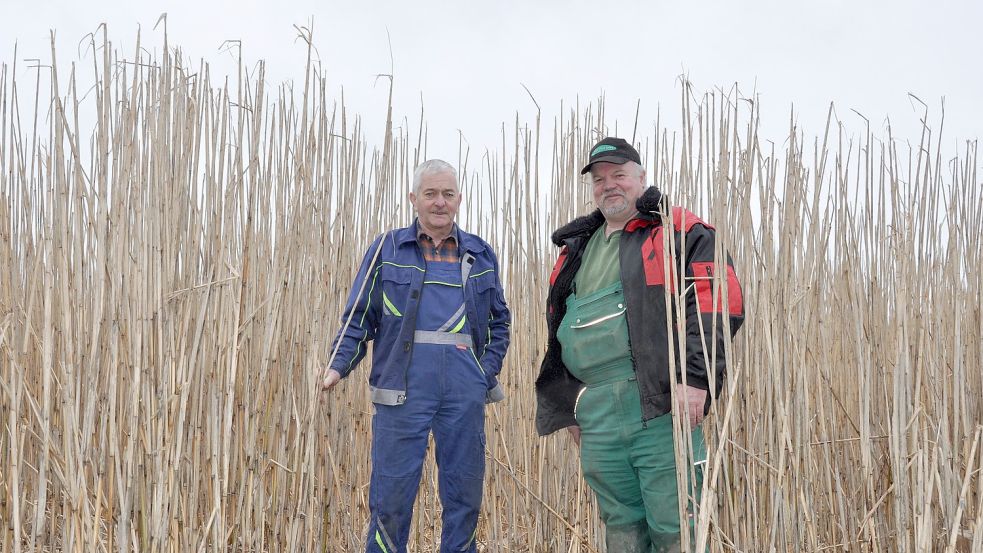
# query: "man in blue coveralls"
(430, 297)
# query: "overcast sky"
(467, 60)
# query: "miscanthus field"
(175, 247)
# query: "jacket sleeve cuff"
(697, 382)
(341, 370)
(495, 395)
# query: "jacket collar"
(454, 232)
(465, 240)
(648, 204)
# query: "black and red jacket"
(645, 287)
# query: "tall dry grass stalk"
(173, 271)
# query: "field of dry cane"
(173, 257)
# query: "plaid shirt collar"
(421, 234)
(445, 250)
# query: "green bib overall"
(628, 462)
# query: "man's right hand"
(575, 433)
(330, 379)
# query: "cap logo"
(602, 148)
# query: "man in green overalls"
(606, 373)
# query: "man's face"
(616, 187)
(436, 202)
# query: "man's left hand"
(695, 399)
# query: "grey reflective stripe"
(385, 535)
(454, 318)
(470, 540)
(387, 397)
(432, 337)
(466, 262)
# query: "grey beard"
(614, 209)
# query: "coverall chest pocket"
(396, 283)
(594, 331)
(484, 287)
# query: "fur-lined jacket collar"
(647, 205)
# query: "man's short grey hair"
(432, 167)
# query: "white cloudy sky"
(468, 59)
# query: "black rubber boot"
(665, 543)
(629, 538)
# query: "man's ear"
(412, 198)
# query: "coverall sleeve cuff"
(495, 395)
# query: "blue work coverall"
(440, 333)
